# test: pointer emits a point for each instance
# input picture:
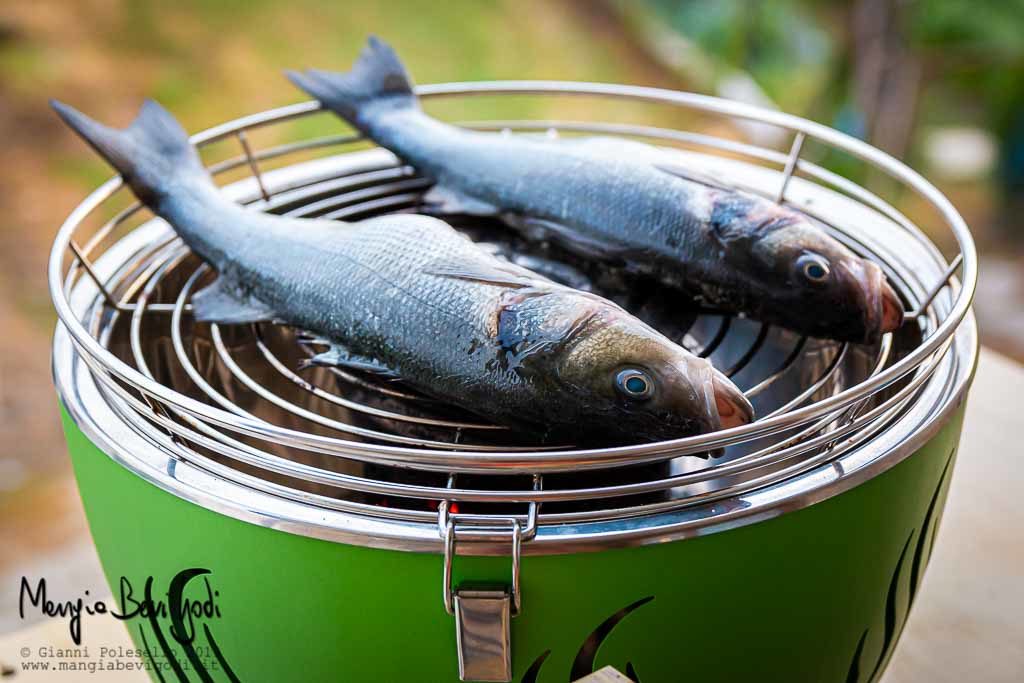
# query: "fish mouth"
(720, 403)
(880, 304)
(733, 408)
(892, 309)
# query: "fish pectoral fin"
(545, 268)
(444, 200)
(694, 176)
(340, 357)
(556, 271)
(567, 237)
(504, 275)
(220, 303)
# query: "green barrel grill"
(316, 525)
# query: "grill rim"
(936, 339)
(195, 485)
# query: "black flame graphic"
(584, 662)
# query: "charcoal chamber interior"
(229, 416)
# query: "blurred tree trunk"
(886, 74)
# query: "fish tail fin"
(378, 77)
(152, 154)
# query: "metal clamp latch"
(483, 612)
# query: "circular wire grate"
(240, 402)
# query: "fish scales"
(408, 296)
(626, 205)
(357, 275)
(645, 208)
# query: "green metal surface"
(818, 594)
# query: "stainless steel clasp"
(483, 611)
(482, 634)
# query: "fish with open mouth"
(612, 200)
(407, 296)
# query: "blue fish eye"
(814, 268)
(634, 384)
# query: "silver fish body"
(613, 201)
(408, 296)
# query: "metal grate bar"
(253, 165)
(938, 287)
(791, 161)
(81, 259)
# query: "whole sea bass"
(408, 296)
(613, 201)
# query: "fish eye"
(814, 268)
(634, 384)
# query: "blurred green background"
(938, 83)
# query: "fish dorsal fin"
(499, 275)
(556, 271)
(445, 200)
(695, 176)
(221, 303)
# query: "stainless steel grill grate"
(236, 402)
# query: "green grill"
(323, 525)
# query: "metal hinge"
(483, 612)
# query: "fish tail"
(378, 78)
(152, 155)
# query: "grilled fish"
(408, 296)
(613, 201)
